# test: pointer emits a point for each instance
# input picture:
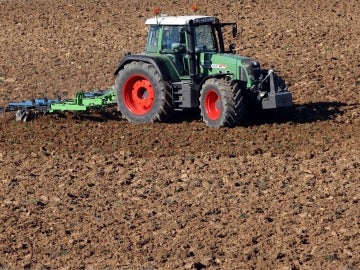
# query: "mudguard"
(159, 63)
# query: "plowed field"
(97, 192)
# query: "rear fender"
(159, 63)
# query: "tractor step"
(185, 96)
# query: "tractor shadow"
(305, 113)
(187, 116)
(298, 114)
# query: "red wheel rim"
(138, 94)
(212, 105)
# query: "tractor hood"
(239, 67)
(269, 88)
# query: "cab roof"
(179, 20)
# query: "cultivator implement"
(83, 101)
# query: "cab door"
(173, 44)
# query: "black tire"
(221, 103)
(142, 94)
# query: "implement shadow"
(305, 113)
(93, 116)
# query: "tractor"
(185, 66)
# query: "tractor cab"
(185, 40)
(167, 33)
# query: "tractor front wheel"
(142, 94)
(221, 103)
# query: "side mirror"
(234, 31)
(232, 47)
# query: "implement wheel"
(142, 95)
(221, 103)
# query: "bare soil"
(93, 191)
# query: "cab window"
(204, 38)
(173, 37)
(153, 38)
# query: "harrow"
(83, 101)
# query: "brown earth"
(96, 192)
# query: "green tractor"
(185, 65)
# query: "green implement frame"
(85, 101)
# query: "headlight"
(252, 68)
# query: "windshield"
(204, 38)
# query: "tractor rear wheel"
(221, 103)
(142, 94)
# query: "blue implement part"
(97, 93)
(41, 105)
(33, 104)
